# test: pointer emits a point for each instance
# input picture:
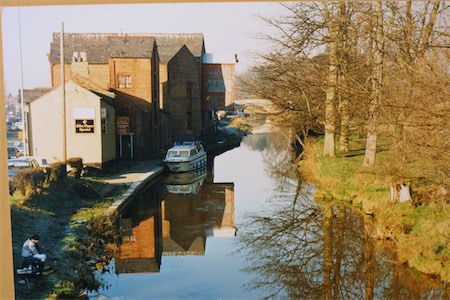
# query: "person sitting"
(32, 254)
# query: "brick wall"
(183, 100)
(218, 87)
(97, 73)
(140, 72)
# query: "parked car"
(18, 125)
(13, 152)
(18, 164)
(21, 147)
(42, 161)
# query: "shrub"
(76, 163)
(56, 172)
(29, 181)
(11, 187)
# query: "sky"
(227, 28)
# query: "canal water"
(247, 227)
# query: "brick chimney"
(80, 64)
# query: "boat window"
(184, 152)
(173, 152)
(193, 152)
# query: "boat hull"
(186, 165)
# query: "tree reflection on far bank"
(299, 249)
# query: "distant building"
(218, 83)
(29, 95)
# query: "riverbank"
(421, 232)
(67, 217)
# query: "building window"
(105, 117)
(123, 81)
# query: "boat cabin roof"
(185, 149)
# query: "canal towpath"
(135, 174)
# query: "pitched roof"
(130, 46)
(31, 95)
(94, 44)
(98, 46)
(91, 86)
(170, 44)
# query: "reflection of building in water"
(176, 225)
(140, 251)
(189, 219)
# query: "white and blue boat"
(185, 156)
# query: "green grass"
(422, 233)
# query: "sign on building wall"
(84, 125)
(123, 125)
(84, 119)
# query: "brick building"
(165, 86)
(127, 66)
(218, 83)
(181, 58)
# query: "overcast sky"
(227, 28)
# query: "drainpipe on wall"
(63, 90)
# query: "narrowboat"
(185, 156)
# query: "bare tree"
(331, 19)
(416, 93)
(309, 64)
(340, 66)
(376, 92)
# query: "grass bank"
(76, 236)
(421, 232)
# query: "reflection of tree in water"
(279, 157)
(300, 250)
(256, 142)
(287, 249)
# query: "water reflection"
(302, 250)
(141, 232)
(174, 217)
(185, 183)
(289, 246)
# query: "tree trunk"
(406, 94)
(345, 125)
(330, 99)
(343, 74)
(377, 77)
